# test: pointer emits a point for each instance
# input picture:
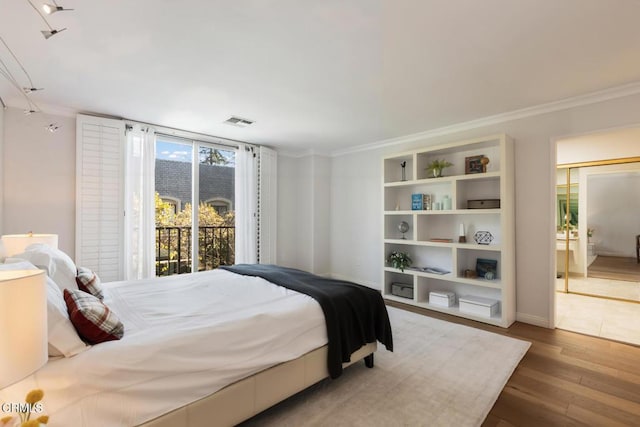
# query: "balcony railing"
(216, 246)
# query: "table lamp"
(23, 324)
(16, 243)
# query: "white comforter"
(185, 338)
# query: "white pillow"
(62, 336)
(58, 265)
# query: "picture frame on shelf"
(484, 266)
(475, 164)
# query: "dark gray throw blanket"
(355, 315)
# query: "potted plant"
(589, 234)
(400, 260)
(436, 167)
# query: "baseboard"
(533, 320)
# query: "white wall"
(321, 214)
(304, 204)
(38, 177)
(356, 239)
(610, 144)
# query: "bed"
(204, 349)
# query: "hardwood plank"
(621, 362)
(613, 386)
(541, 363)
(583, 391)
(518, 409)
(615, 268)
(542, 394)
(592, 418)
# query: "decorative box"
(442, 298)
(416, 202)
(483, 204)
(480, 306)
(402, 290)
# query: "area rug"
(440, 374)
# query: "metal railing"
(216, 246)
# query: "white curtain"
(139, 244)
(246, 205)
(267, 205)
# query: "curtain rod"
(184, 134)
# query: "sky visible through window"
(183, 153)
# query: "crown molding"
(303, 153)
(563, 104)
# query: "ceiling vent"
(237, 121)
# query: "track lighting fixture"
(49, 33)
(7, 71)
(4, 106)
(53, 8)
(52, 127)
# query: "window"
(221, 206)
(118, 234)
(191, 173)
(172, 203)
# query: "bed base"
(252, 395)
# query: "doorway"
(598, 280)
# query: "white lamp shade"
(16, 243)
(23, 324)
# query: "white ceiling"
(320, 75)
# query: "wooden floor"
(615, 268)
(565, 379)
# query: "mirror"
(572, 212)
(565, 212)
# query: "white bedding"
(185, 338)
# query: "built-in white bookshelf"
(433, 238)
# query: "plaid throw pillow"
(92, 319)
(89, 282)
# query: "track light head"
(50, 33)
(31, 89)
(52, 127)
(53, 8)
(29, 112)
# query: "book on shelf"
(426, 202)
(416, 202)
(441, 240)
(435, 270)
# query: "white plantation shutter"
(99, 196)
(267, 202)
(246, 199)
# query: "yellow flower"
(5, 420)
(43, 419)
(34, 396)
(30, 423)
